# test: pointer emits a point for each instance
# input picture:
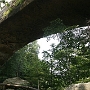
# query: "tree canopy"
(70, 60)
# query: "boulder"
(16, 81)
(79, 86)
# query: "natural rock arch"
(26, 25)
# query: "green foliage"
(57, 26)
(25, 64)
(10, 7)
(19, 2)
(86, 80)
(63, 64)
(69, 61)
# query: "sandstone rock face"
(79, 86)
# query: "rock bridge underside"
(25, 25)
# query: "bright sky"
(6, 1)
(45, 45)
